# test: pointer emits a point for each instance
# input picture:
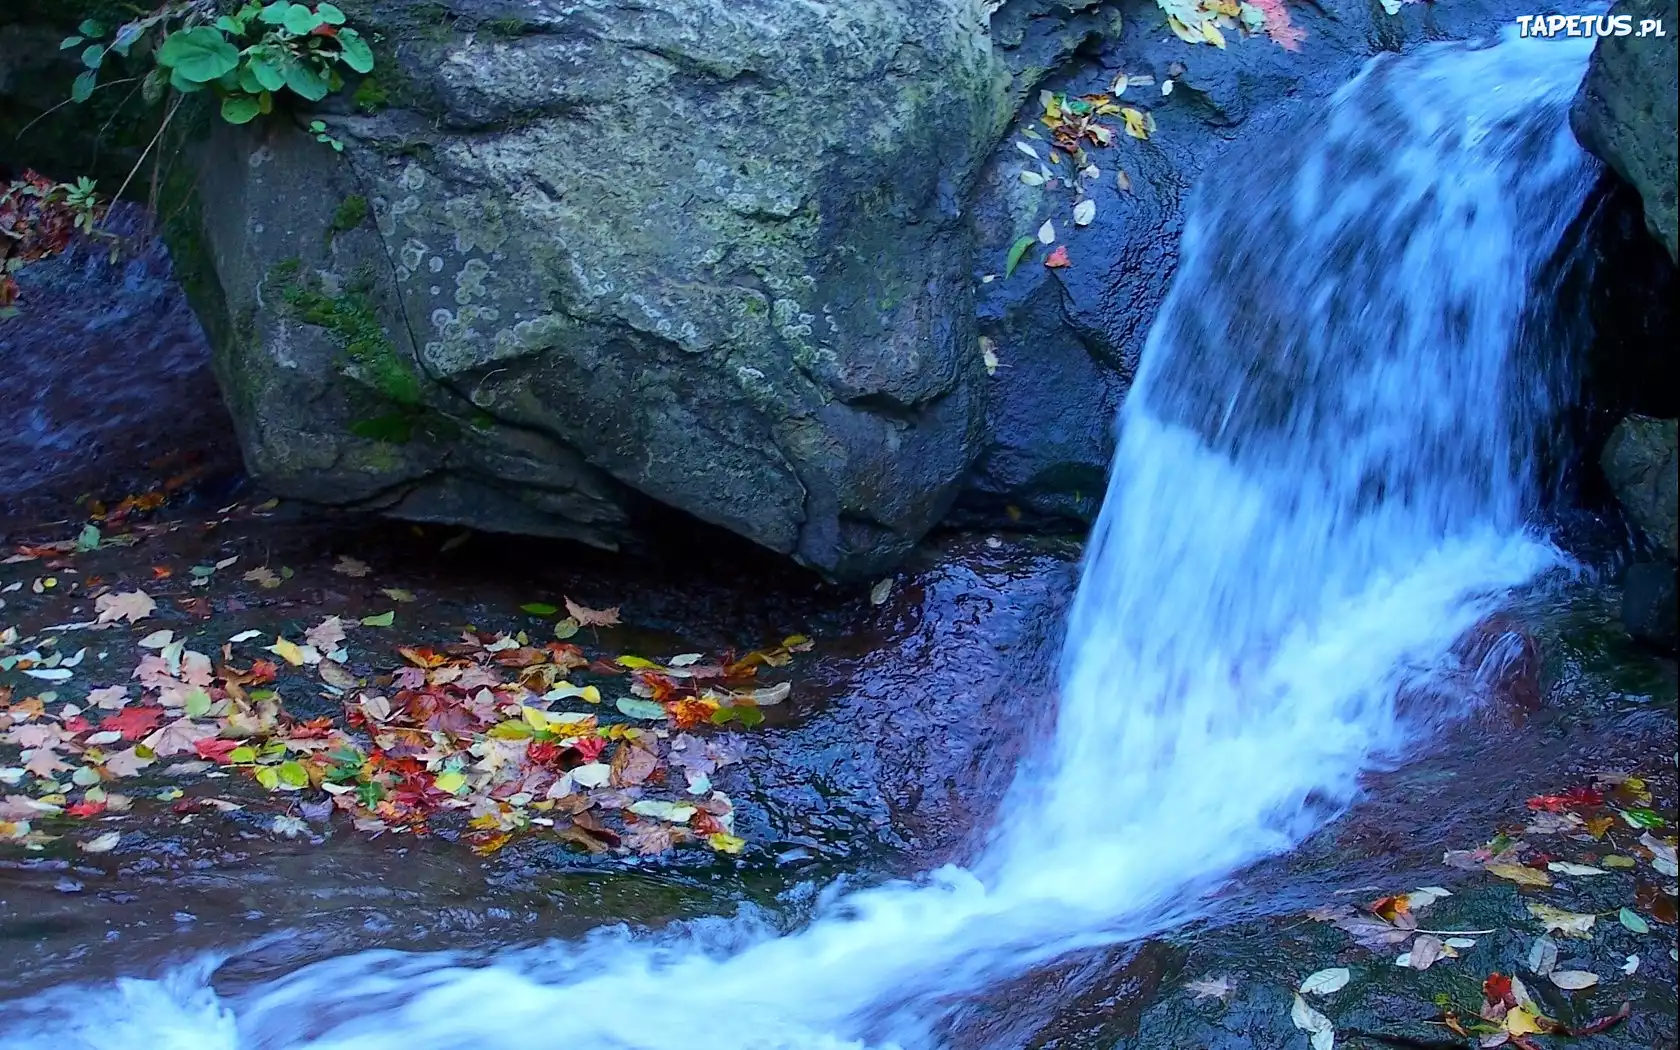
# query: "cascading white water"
(1321, 482)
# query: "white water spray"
(1321, 483)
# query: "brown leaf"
(631, 765)
(587, 617)
(127, 605)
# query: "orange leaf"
(1058, 259)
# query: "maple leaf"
(215, 750)
(110, 698)
(44, 762)
(1211, 988)
(133, 722)
(126, 605)
(326, 635)
(650, 837)
(126, 763)
(348, 566)
(587, 617)
(177, 737)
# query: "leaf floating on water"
(1520, 874)
(127, 605)
(1028, 150)
(352, 567)
(635, 708)
(1630, 966)
(1084, 212)
(587, 617)
(1047, 233)
(988, 355)
(1573, 980)
(1426, 951)
(1058, 259)
(539, 608)
(1211, 988)
(1631, 919)
(1326, 981)
(102, 844)
(1017, 251)
(1123, 182)
(1571, 924)
(878, 593)
(1032, 178)
(1322, 1033)
(1543, 957)
(1564, 867)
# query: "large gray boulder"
(701, 253)
(1626, 111)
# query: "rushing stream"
(1323, 479)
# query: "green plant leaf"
(72, 41)
(540, 608)
(198, 55)
(1017, 252)
(265, 69)
(636, 708)
(355, 51)
(292, 774)
(127, 37)
(91, 28)
(384, 619)
(248, 81)
(301, 20)
(329, 14)
(94, 56)
(82, 88)
(240, 109)
(275, 13)
(306, 82)
(182, 84)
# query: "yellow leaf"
(1182, 31)
(1569, 923)
(287, 651)
(1520, 874)
(634, 662)
(1212, 34)
(1136, 126)
(1519, 1021)
(724, 842)
(451, 780)
(536, 719)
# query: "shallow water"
(1323, 481)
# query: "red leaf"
(213, 749)
(1497, 988)
(1602, 1024)
(134, 722)
(84, 810)
(1058, 259)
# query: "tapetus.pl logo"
(1589, 25)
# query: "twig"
(68, 101)
(167, 117)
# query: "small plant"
(246, 59)
(37, 218)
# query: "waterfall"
(1324, 477)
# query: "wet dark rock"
(1069, 340)
(107, 387)
(1626, 112)
(1648, 602)
(1642, 465)
(923, 707)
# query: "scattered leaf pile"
(505, 734)
(1594, 828)
(37, 219)
(1207, 21)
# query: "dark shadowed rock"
(1626, 111)
(1640, 462)
(927, 702)
(1068, 340)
